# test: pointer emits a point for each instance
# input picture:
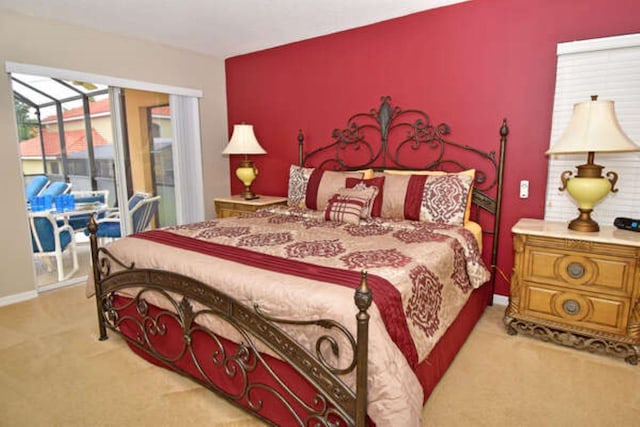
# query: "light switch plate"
(524, 189)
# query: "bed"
(343, 308)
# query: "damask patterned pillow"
(344, 208)
(433, 198)
(298, 181)
(469, 172)
(444, 199)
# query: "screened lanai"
(61, 124)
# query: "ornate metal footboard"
(186, 303)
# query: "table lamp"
(243, 141)
(593, 128)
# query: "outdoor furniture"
(35, 186)
(48, 239)
(56, 188)
(142, 208)
(87, 199)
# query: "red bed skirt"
(429, 372)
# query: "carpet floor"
(55, 372)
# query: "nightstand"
(577, 289)
(237, 205)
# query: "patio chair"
(56, 188)
(142, 208)
(35, 186)
(48, 239)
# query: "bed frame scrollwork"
(189, 300)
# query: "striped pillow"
(323, 184)
(430, 198)
(344, 208)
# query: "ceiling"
(222, 28)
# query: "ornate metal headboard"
(392, 138)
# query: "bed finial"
(363, 298)
(300, 145)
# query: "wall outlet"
(524, 189)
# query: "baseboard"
(500, 300)
(63, 284)
(13, 299)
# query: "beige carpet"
(54, 372)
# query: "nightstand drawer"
(592, 272)
(576, 309)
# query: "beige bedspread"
(434, 267)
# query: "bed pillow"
(444, 198)
(469, 172)
(377, 182)
(323, 184)
(344, 208)
(440, 198)
(297, 189)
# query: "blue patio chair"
(142, 208)
(48, 239)
(35, 186)
(56, 188)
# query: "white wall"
(30, 40)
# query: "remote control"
(627, 223)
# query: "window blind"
(610, 68)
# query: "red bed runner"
(385, 295)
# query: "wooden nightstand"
(237, 205)
(576, 289)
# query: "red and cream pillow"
(297, 189)
(469, 172)
(376, 182)
(311, 187)
(440, 198)
(351, 204)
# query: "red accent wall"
(468, 65)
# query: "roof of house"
(95, 107)
(75, 141)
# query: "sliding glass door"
(120, 142)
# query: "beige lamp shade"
(594, 128)
(243, 141)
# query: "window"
(610, 68)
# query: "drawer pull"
(575, 270)
(571, 307)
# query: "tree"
(27, 126)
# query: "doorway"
(68, 133)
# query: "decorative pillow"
(366, 173)
(298, 181)
(436, 198)
(444, 199)
(344, 208)
(377, 182)
(323, 184)
(364, 193)
(468, 172)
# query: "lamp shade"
(243, 141)
(594, 127)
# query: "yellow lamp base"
(247, 173)
(587, 189)
(584, 222)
